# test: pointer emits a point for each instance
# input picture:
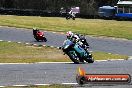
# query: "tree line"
(87, 7)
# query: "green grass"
(20, 53)
(108, 56)
(96, 27)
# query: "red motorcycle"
(38, 35)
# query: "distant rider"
(71, 13)
(35, 31)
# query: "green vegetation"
(108, 56)
(50, 86)
(20, 53)
(96, 27)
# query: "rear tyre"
(90, 59)
(45, 40)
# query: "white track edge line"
(70, 83)
(19, 85)
(61, 62)
(40, 85)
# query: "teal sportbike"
(76, 53)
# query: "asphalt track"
(29, 74)
(117, 46)
(26, 74)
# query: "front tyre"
(67, 18)
(37, 39)
(73, 56)
(73, 18)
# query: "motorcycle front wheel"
(37, 39)
(67, 18)
(73, 56)
(73, 18)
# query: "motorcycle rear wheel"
(45, 40)
(90, 59)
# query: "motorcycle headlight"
(66, 46)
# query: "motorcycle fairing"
(80, 50)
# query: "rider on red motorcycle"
(38, 35)
(35, 30)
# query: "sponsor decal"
(83, 78)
